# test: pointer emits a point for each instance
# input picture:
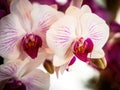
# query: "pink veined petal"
(95, 28)
(10, 33)
(61, 35)
(8, 70)
(36, 80)
(30, 65)
(22, 9)
(43, 17)
(77, 13)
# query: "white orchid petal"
(32, 64)
(58, 61)
(85, 9)
(9, 70)
(74, 11)
(61, 35)
(36, 80)
(10, 33)
(99, 53)
(63, 68)
(43, 17)
(95, 28)
(77, 14)
(22, 9)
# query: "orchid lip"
(72, 61)
(82, 48)
(31, 44)
(13, 84)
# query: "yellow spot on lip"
(80, 49)
(31, 42)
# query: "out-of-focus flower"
(98, 9)
(62, 6)
(113, 7)
(114, 27)
(22, 75)
(113, 52)
(4, 8)
(23, 31)
(110, 77)
(80, 33)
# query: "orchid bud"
(99, 62)
(48, 65)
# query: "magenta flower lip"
(13, 84)
(72, 61)
(82, 48)
(31, 44)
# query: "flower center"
(13, 84)
(31, 44)
(82, 48)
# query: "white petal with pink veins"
(77, 14)
(22, 9)
(9, 70)
(43, 17)
(61, 35)
(30, 64)
(95, 28)
(10, 34)
(36, 80)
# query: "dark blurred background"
(1, 60)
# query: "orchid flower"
(20, 75)
(23, 31)
(79, 33)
